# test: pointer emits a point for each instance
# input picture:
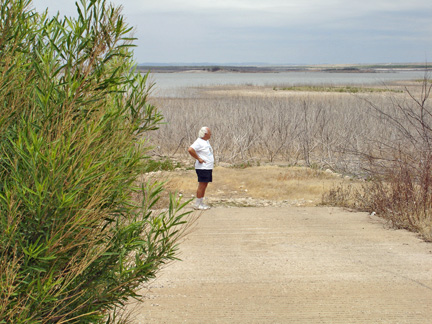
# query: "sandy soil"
(293, 265)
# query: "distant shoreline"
(375, 68)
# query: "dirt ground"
(292, 265)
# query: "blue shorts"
(204, 175)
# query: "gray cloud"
(275, 31)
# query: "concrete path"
(293, 265)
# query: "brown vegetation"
(382, 137)
(401, 165)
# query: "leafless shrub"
(310, 129)
(400, 162)
(341, 195)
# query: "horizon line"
(270, 64)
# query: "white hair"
(203, 131)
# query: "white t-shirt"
(205, 152)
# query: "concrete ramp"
(293, 265)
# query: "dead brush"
(404, 199)
(401, 165)
(340, 195)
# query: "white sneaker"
(203, 207)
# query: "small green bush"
(75, 244)
(161, 165)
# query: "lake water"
(168, 83)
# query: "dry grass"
(268, 182)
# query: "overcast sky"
(274, 31)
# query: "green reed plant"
(161, 165)
(75, 243)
